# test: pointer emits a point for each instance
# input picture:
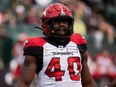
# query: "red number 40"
(58, 73)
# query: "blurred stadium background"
(94, 19)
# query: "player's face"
(60, 27)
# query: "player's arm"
(27, 72)
(112, 84)
(87, 79)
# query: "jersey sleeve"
(34, 47)
(80, 41)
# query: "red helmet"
(53, 12)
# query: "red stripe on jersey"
(36, 41)
(78, 39)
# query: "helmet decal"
(62, 11)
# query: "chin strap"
(37, 27)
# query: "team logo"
(72, 49)
(50, 49)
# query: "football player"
(59, 59)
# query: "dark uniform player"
(59, 59)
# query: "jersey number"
(58, 73)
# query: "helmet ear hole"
(44, 20)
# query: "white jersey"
(61, 65)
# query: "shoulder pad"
(35, 41)
(78, 39)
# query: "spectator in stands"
(6, 42)
(107, 28)
(32, 17)
(20, 13)
(104, 67)
(43, 3)
(92, 65)
(79, 24)
(113, 73)
(18, 53)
